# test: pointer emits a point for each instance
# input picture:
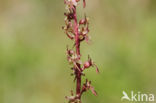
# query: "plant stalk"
(77, 43)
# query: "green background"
(33, 65)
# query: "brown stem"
(77, 42)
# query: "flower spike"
(77, 31)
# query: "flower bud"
(71, 52)
(82, 21)
(87, 64)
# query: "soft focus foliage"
(33, 67)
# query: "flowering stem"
(77, 31)
(77, 43)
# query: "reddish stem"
(77, 42)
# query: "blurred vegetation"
(33, 66)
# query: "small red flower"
(90, 63)
(87, 64)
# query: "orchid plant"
(77, 30)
